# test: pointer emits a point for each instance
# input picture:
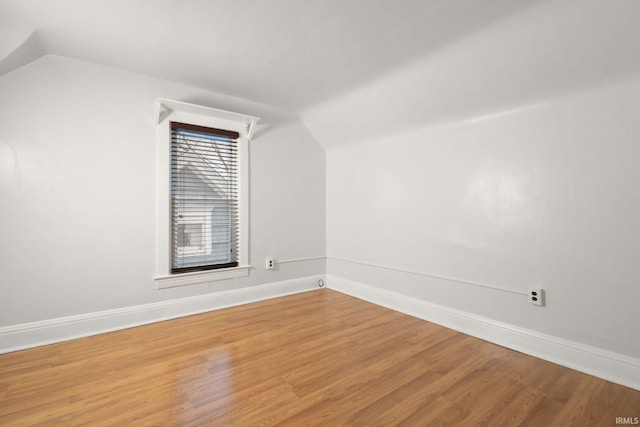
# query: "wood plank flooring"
(317, 358)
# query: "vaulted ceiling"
(346, 67)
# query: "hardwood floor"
(318, 358)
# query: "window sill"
(185, 279)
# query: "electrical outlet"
(536, 296)
(270, 263)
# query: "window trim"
(166, 111)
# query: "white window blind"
(204, 198)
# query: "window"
(202, 218)
(204, 198)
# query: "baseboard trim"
(34, 334)
(594, 361)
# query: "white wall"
(545, 195)
(77, 184)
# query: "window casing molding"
(167, 111)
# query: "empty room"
(319, 212)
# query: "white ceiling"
(287, 53)
(329, 60)
(556, 50)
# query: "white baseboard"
(598, 362)
(34, 334)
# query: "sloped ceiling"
(349, 68)
(554, 50)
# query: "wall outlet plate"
(536, 296)
(269, 263)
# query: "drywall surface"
(286, 53)
(542, 196)
(554, 47)
(78, 189)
